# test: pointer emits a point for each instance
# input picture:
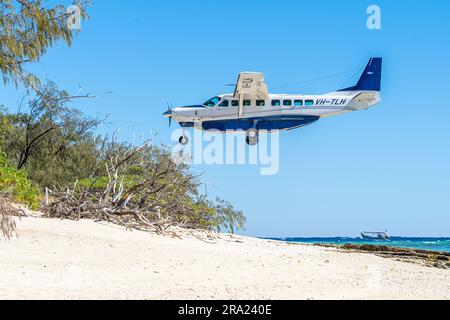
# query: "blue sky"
(387, 168)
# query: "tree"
(49, 139)
(229, 218)
(27, 29)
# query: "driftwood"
(136, 187)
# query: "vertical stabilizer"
(371, 78)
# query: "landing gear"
(184, 140)
(252, 137)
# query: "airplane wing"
(250, 85)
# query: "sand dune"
(55, 259)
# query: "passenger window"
(260, 103)
(225, 103)
(287, 103)
(247, 103)
(235, 103)
(298, 103)
(276, 103)
(309, 103)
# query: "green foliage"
(16, 184)
(228, 218)
(214, 216)
(50, 140)
(102, 182)
(5, 126)
(27, 29)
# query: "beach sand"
(54, 259)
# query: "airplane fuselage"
(279, 112)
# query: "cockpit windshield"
(212, 102)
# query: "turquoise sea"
(432, 244)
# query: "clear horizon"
(384, 169)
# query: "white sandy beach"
(55, 259)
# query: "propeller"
(168, 114)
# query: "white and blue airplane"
(252, 109)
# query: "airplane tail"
(371, 78)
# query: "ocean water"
(432, 244)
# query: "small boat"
(375, 235)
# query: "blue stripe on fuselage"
(262, 123)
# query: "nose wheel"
(252, 137)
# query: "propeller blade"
(168, 114)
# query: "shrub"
(143, 188)
(15, 183)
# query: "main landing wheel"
(184, 140)
(252, 137)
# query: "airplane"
(252, 109)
